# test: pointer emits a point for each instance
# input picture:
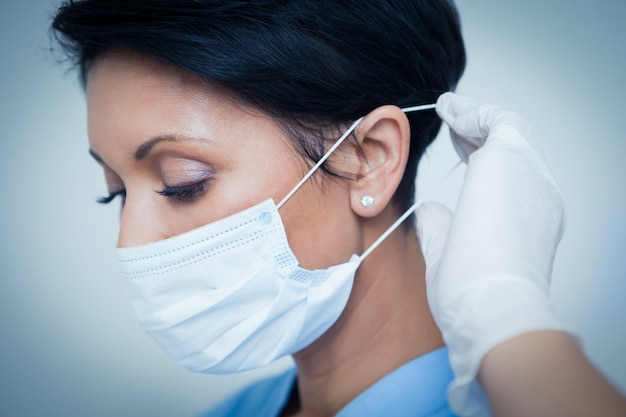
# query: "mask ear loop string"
(336, 145)
(409, 211)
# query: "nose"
(139, 222)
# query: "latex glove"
(488, 281)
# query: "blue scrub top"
(416, 389)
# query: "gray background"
(69, 343)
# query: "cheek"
(321, 227)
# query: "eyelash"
(107, 199)
(184, 192)
(181, 193)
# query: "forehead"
(120, 78)
(121, 62)
(132, 97)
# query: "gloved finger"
(449, 107)
(472, 124)
(433, 224)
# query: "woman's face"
(187, 154)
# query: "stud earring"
(367, 201)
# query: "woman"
(241, 242)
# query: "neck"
(385, 324)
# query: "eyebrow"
(144, 149)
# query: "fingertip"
(443, 105)
(444, 98)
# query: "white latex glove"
(489, 264)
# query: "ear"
(384, 137)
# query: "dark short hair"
(313, 64)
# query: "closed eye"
(185, 193)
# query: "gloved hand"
(489, 264)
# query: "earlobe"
(384, 140)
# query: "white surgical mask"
(230, 296)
